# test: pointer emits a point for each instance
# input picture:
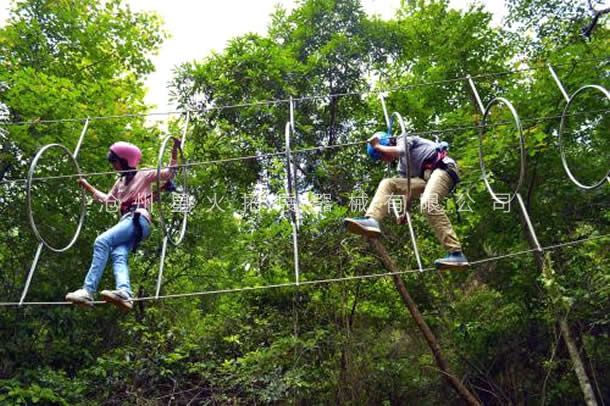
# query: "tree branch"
(425, 330)
(588, 29)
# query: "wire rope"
(321, 281)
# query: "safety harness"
(444, 162)
(130, 207)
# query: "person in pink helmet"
(133, 193)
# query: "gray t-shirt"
(421, 149)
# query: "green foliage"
(349, 342)
(43, 387)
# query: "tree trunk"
(545, 268)
(457, 385)
(556, 301)
(579, 368)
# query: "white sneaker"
(80, 297)
(119, 298)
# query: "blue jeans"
(115, 242)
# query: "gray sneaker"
(455, 260)
(366, 226)
(119, 298)
(80, 297)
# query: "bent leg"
(121, 233)
(438, 187)
(389, 187)
(120, 256)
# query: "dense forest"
(527, 327)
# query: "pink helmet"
(128, 152)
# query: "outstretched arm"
(98, 196)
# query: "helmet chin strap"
(126, 170)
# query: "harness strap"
(138, 229)
(130, 207)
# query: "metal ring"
(401, 122)
(162, 223)
(564, 161)
(291, 174)
(83, 207)
(287, 132)
(521, 148)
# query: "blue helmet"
(384, 139)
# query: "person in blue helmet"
(433, 176)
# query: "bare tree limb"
(588, 29)
(425, 330)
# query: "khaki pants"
(435, 186)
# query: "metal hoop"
(289, 181)
(401, 122)
(294, 209)
(521, 148)
(291, 171)
(385, 112)
(562, 152)
(162, 221)
(83, 207)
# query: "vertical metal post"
(292, 166)
(408, 166)
(290, 187)
(185, 128)
(80, 139)
(291, 101)
(413, 240)
(530, 227)
(31, 273)
(295, 243)
(386, 117)
(161, 265)
(411, 232)
(385, 111)
(407, 198)
(295, 216)
(480, 104)
(559, 84)
(407, 152)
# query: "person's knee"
(119, 256)
(102, 241)
(387, 185)
(430, 205)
